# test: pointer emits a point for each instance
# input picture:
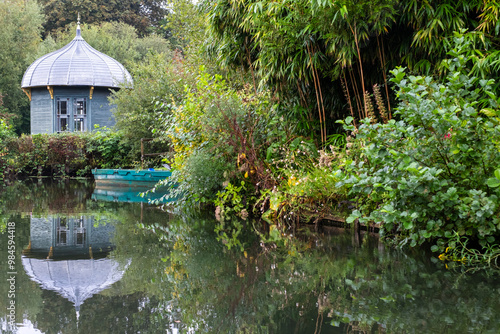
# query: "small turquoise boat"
(129, 177)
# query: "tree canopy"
(314, 49)
(19, 37)
(144, 15)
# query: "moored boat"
(129, 177)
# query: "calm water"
(85, 264)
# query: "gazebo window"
(79, 230)
(80, 116)
(62, 114)
(62, 231)
(71, 116)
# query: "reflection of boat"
(126, 185)
(127, 194)
(129, 177)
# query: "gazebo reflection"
(59, 237)
(68, 255)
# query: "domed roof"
(75, 280)
(76, 64)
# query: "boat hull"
(129, 177)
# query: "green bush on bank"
(219, 135)
(425, 178)
(62, 155)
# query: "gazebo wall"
(43, 107)
(42, 111)
(101, 109)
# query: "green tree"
(146, 16)
(185, 26)
(19, 36)
(158, 82)
(307, 51)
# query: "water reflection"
(67, 254)
(128, 193)
(70, 274)
(75, 280)
(169, 274)
(326, 285)
(57, 237)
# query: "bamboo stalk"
(382, 63)
(317, 95)
(356, 93)
(322, 104)
(360, 63)
(344, 83)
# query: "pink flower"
(448, 135)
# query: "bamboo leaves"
(313, 48)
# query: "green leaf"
(493, 182)
(388, 299)
(489, 112)
(408, 225)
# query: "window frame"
(74, 114)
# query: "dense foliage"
(62, 155)
(310, 51)
(251, 124)
(145, 16)
(19, 37)
(426, 176)
(219, 135)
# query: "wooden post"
(142, 150)
(51, 252)
(142, 153)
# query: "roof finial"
(78, 31)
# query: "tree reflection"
(181, 277)
(323, 285)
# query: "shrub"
(5, 133)
(204, 174)
(107, 149)
(5, 130)
(424, 177)
(226, 125)
(64, 154)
